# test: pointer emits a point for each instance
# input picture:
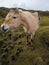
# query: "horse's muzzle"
(4, 27)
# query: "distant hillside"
(4, 11)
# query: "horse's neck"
(25, 26)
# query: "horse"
(17, 17)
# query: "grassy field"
(15, 50)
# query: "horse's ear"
(20, 11)
(12, 10)
(16, 10)
(35, 14)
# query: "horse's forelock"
(14, 10)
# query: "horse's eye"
(14, 17)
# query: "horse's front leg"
(32, 36)
(28, 36)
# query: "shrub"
(47, 63)
(39, 61)
(11, 47)
(17, 53)
(4, 56)
(6, 50)
(20, 49)
(13, 58)
(4, 62)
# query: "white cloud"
(27, 4)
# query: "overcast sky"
(27, 4)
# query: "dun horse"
(15, 18)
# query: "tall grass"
(12, 43)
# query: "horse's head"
(12, 21)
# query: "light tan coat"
(28, 20)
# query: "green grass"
(37, 56)
(44, 21)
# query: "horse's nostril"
(4, 28)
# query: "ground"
(15, 50)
